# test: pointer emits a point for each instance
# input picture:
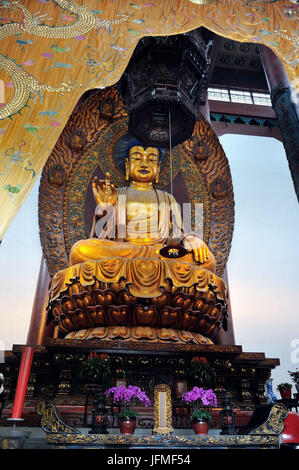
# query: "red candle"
(23, 377)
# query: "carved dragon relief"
(24, 82)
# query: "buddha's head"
(143, 165)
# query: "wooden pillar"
(24, 373)
(275, 73)
(204, 106)
(285, 104)
(38, 328)
(226, 337)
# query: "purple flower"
(206, 397)
(126, 394)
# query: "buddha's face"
(143, 165)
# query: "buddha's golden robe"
(143, 223)
(128, 250)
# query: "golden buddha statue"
(139, 276)
(148, 218)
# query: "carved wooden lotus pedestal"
(86, 308)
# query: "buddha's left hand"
(198, 247)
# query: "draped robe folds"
(170, 223)
(116, 255)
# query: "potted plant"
(94, 372)
(202, 371)
(125, 396)
(295, 378)
(201, 401)
(285, 390)
(95, 369)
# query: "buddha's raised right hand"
(104, 191)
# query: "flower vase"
(201, 427)
(286, 394)
(127, 426)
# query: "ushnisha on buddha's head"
(142, 165)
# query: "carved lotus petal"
(170, 316)
(214, 312)
(118, 314)
(190, 319)
(96, 315)
(104, 297)
(145, 315)
(78, 300)
(67, 305)
(183, 300)
(124, 297)
(56, 311)
(199, 304)
(79, 319)
(162, 300)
